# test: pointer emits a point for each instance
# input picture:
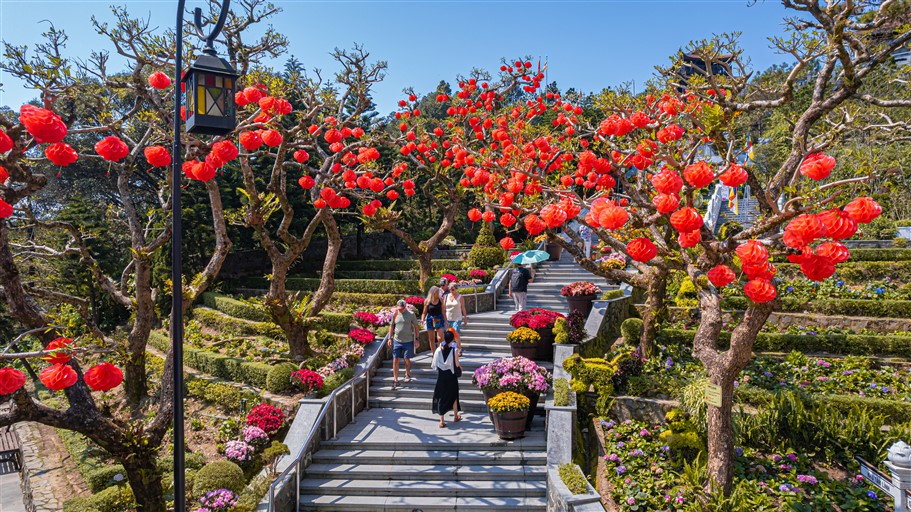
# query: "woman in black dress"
(446, 392)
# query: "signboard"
(713, 394)
(879, 479)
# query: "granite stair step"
(426, 472)
(409, 488)
(338, 503)
(439, 456)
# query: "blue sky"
(588, 44)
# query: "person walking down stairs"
(402, 336)
(518, 286)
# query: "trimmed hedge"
(231, 326)
(113, 499)
(357, 285)
(218, 365)
(233, 307)
(279, 378)
(224, 396)
(856, 272)
(365, 299)
(843, 344)
(222, 474)
(895, 412)
(332, 322)
(101, 478)
(356, 265)
(841, 307)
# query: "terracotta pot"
(554, 250)
(532, 397)
(529, 350)
(546, 345)
(510, 425)
(581, 303)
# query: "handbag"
(457, 371)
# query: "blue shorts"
(456, 326)
(402, 350)
(432, 323)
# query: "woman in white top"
(455, 312)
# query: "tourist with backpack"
(518, 286)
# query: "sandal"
(395, 384)
(407, 379)
(458, 417)
(442, 424)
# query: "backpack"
(519, 279)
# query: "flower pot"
(546, 345)
(554, 250)
(532, 397)
(581, 303)
(529, 350)
(510, 425)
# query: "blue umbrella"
(524, 258)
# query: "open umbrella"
(524, 258)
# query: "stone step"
(440, 456)
(424, 391)
(408, 488)
(426, 472)
(341, 503)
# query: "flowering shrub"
(479, 274)
(337, 364)
(614, 260)
(353, 354)
(219, 500)
(580, 289)
(535, 318)
(239, 451)
(450, 277)
(509, 402)
(512, 374)
(267, 417)
(255, 436)
(384, 317)
(307, 380)
(415, 300)
(362, 336)
(523, 335)
(366, 318)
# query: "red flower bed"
(362, 336)
(308, 380)
(267, 417)
(535, 318)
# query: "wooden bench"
(9, 448)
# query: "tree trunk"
(135, 383)
(145, 482)
(279, 305)
(21, 306)
(721, 433)
(425, 262)
(656, 292)
(327, 279)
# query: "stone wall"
(635, 408)
(603, 325)
(48, 476)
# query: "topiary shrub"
(631, 330)
(118, 498)
(485, 253)
(102, 477)
(561, 334)
(335, 380)
(220, 474)
(278, 379)
(686, 296)
(900, 242)
(561, 393)
(573, 478)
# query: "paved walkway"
(10, 492)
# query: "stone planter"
(532, 397)
(546, 345)
(554, 250)
(581, 303)
(529, 350)
(560, 499)
(561, 423)
(509, 425)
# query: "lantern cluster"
(60, 375)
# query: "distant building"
(695, 65)
(888, 32)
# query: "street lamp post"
(210, 110)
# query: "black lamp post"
(210, 110)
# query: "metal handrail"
(364, 374)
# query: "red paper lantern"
(6, 210)
(667, 182)
(3, 175)
(835, 251)
(489, 216)
(59, 356)
(753, 252)
(734, 176)
(301, 156)
(798, 257)
(333, 136)
(839, 225)
(689, 238)
(225, 150)
(61, 153)
(570, 208)
(817, 166)
(760, 290)
(534, 224)
(44, 125)
(698, 174)
(6, 143)
(666, 203)
(157, 156)
(320, 203)
(251, 141)
(641, 249)
(252, 94)
(11, 380)
(686, 219)
(803, 230)
(507, 243)
(369, 210)
(58, 376)
(613, 217)
(159, 80)
(553, 215)
(764, 270)
(817, 268)
(721, 276)
(103, 377)
(507, 220)
(271, 138)
(203, 171)
(863, 210)
(112, 149)
(393, 195)
(474, 215)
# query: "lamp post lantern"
(209, 84)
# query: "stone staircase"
(397, 458)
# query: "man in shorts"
(404, 331)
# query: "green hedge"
(233, 307)
(224, 396)
(379, 265)
(231, 326)
(333, 322)
(856, 272)
(894, 411)
(880, 255)
(218, 365)
(357, 285)
(844, 344)
(844, 307)
(118, 498)
(365, 299)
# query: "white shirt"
(453, 308)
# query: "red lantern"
(798, 257)
(112, 149)
(6, 143)
(721, 276)
(760, 290)
(507, 243)
(44, 125)
(734, 176)
(369, 210)
(332, 136)
(225, 150)
(817, 166)
(753, 252)
(835, 251)
(534, 224)
(863, 210)
(11, 380)
(159, 80)
(489, 216)
(320, 203)
(61, 153)
(817, 268)
(839, 225)
(641, 249)
(203, 171)
(58, 376)
(686, 219)
(6, 210)
(667, 182)
(507, 220)
(3, 175)
(157, 156)
(252, 94)
(553, 216)
(689, 238)
(251, 141)
(59, 356)
(103, 377)
(393, 195)
(666, 203)
(301, 156)
(271, 138)
(570, 208)
(698, 174)
(764, 270)
(803, 230)
(613, 217)
(474, 215)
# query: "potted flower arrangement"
(579, 296)
(541, 320)
(555, 250)
(481, 275)
(518, 374)
(509, 413)
(524, 342)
